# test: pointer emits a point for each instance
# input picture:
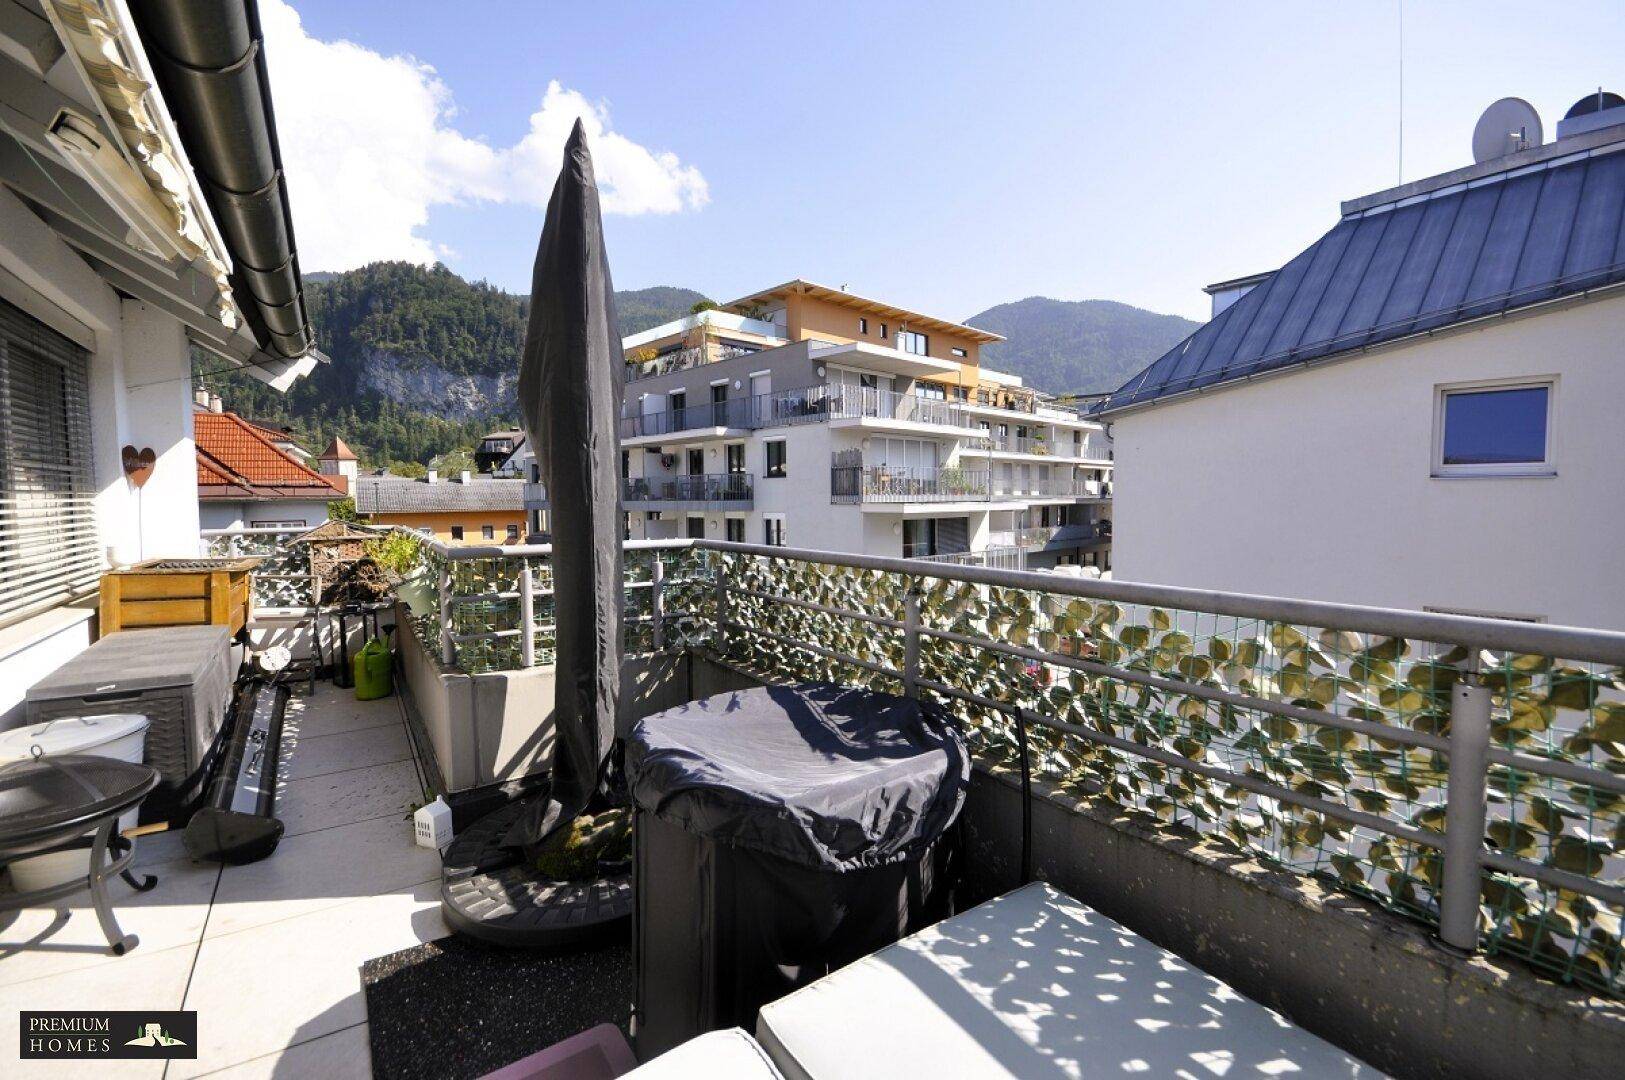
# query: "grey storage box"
(179, 677)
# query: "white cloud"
(369, 146)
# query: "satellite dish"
(1601, 101)
(1509, 125)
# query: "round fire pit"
(73, 801)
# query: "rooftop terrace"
(1433, 801)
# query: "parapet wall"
(1354, 974)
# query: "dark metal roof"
(1470, 250)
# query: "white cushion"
(717, 1055)
(1032, 985)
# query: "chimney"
(433, 476)
(200, 397)
(468, 477)
(215, 404)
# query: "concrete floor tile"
(259, 991)
(155, 980)
(347, 750)
(322, 802)
(322, 869)
(171, 914)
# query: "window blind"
(49, 552)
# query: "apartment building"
(471, 509)
(807, 416)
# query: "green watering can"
(372, 668)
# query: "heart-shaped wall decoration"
(138, 464)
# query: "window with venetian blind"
(49, 552)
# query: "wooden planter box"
(179, 592)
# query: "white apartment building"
(1421, 410)
(807, 416)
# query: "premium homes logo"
(107, 1035)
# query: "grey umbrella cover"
(570, 398)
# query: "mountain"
(421, 360)
(639, 309)
(1078, 346)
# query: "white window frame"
(1544, 468)
(960, 353)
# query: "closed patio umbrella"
(570, 399)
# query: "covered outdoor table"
(781, 832)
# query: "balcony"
(820, 403)
(1359, 752)
(884, 484)
(1370, 781)
(682, 360)
(1052, 489)
(711, 420)
(710, 491)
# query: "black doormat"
(455, 1008)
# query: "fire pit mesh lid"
(38, 795)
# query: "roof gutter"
(209, 59)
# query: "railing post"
(911, 642)
(722, 603)
(448, 654)
(527, 615)
(657, 602)
(1465, 811)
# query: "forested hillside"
(422, 361)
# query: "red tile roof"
(238, 460)
(337, 451)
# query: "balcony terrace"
(1368, 779)
(820, 403)
(708, 491)
(884, 484)
(1230, 776)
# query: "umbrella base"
(495, 894)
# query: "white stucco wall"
(222, 514)
(140, 394)
(1318, 483)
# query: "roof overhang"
(87, 143)
(886, 361)
(914, 320)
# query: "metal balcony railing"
(735, 413)
(1465, 772)
(800, 405)
(1461, 771)
(1047, 487)
(884, 484)
(706, 488)
(284, 579)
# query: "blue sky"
(943, 156)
